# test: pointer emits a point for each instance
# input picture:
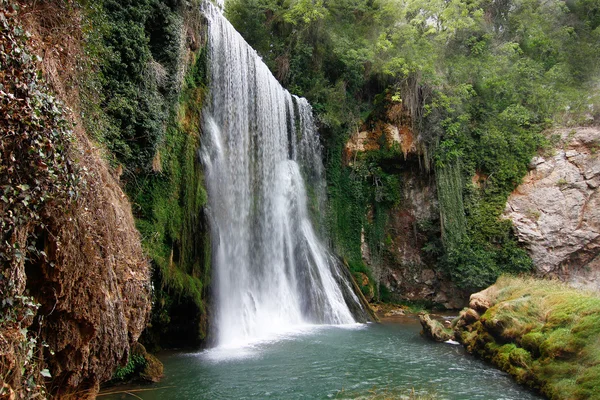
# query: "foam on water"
(254, 347)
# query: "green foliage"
(169, 209)
(549, 331)
(37, 176)
(36, 171)
(135, 365)
(135, 45)
(452, 210)
(360, 197)
(147, 114)
(487, 78)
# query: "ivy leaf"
(46, 373)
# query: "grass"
(544, 333)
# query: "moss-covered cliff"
(544, 333)
(103, 197)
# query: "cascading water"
(259, 144)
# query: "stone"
(434, 329)
(480, 302)
(395, 313)
(556, 210)
(153, 372)
(470, 316)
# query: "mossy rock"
(561, 343)
(434, 329)
(520, 358)
(532, 342)
(153, 370)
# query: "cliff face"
(556, 211)
(78, 292)
(94, 289)
(408, 264)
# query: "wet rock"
(470, 316)
(153, 371)
(480, 302)
(434, 329)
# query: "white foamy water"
(260, 147)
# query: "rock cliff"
(80, 273)
(408, 265)
(556, 210)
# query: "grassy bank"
(544, 333)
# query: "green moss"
(532, 342)
(520, 358)
(169, 206)
(545, 334)
(588, 383)
(502, 356)
(449, 186)
(561, 343)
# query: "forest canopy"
(482, 80)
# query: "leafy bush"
(135, 365)
(136, 47)
(37, 177)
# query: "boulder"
(556, 210)
(434, 329)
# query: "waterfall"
(260, 145)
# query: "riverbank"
(544, 333)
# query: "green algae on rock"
(544, 333)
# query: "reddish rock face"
(410, 272)
(95, 296)
(94, 284)
(556, 210)
(405, 269)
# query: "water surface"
(334, 362)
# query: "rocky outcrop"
(82, 267)
(434, 329)
(544, 333)
(392, 126)
(94, 289)
(407, 270)
(410, 270)
(556, 210)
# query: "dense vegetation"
(544, 334)
(481, 80)
(143, 104)
(33, 184)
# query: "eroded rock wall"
(83, 264)
(411, 270)
(94, 290)
(556, 211)
(408, 267)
